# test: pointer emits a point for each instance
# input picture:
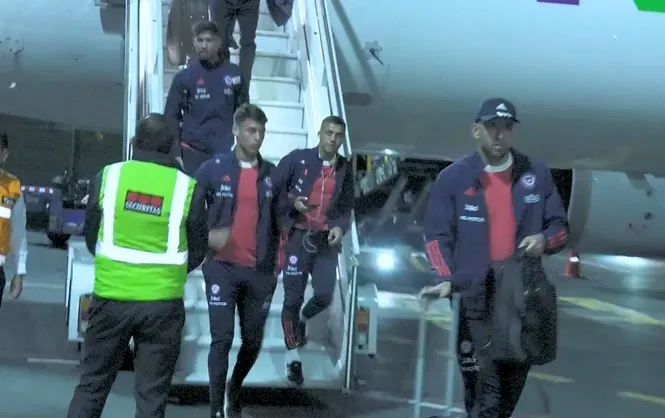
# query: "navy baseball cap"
(497, 108)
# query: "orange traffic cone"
(573, 266)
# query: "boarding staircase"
(292, 82)
(275, 85)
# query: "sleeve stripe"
(557, 239)
(436, 258)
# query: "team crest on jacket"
(528, 181)
(144, 203)
(228, 80)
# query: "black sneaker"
(233, 408)
(294, 373)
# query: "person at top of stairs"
(225, 13)
(202, 99)
(316, 199)
(241, 269)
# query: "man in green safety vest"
(146, 227)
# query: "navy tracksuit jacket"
(456, 230)
(296, 174)
(219, 176)
(200, 106)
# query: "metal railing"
(324, 96)
(144, 70)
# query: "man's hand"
(300, 204)
(335, 236)
(440, 291)
(84, 200)
(534, 245)
(16, 286)
(218, 238)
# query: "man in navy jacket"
(316, 187)
(201, 101)
(481, 208)
(240, 271)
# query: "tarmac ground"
(611, 346)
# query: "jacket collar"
(262, 165)
(521, 165)
(152, 157)
(314, 153)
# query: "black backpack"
(522, 312)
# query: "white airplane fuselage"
(58, 64)
(587, 81)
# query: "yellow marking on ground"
(656, 400)
(630, 315)
(550, 378)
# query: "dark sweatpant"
(3, 283)
(227, 286)
(246, 12)
(501, 383)
(193, 159)
(156, 328)
(306, 253)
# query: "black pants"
(3, 283)
(227, 286)
(305, 254)
(192, 159)
(156, 328)
(225, 13)
(501, 383)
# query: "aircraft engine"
(614, 212)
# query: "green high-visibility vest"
(141, 252)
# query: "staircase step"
(279, 89)
(287, 115)
(265, 20)
(318, 356)
(280, 141)
(266, 23)
(269, 41)
(273, 64)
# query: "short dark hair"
(153, 134)
(206, 26)
(4, 140)
(333, 120)
(249, 111)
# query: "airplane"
(586, 77)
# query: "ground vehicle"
(58, 209)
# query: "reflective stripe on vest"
(10, 192)
(127, 255)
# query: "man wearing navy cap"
(481, 209)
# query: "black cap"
(497, 108)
